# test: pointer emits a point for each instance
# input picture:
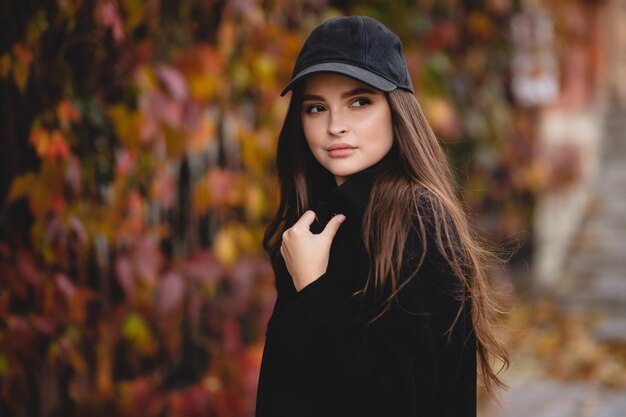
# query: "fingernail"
(341, 218)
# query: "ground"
(569, 346)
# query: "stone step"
(592, 261)
(592, 303)
(611, 329)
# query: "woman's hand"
(306, 254)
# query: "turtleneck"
(350, 198)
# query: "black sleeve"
(402, 365)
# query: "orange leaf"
(5, 65)
(40, 139)
(58, 146)
(21, 65)
(67, 113)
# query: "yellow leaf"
(203, 86)
(134, 13)
(127, 124)
(22, 186)
(174, 142)
(136, 331)
(145, 78)
(5, 65)
(201, 197)
(244, 239)
(265, 72)
(225, 247)
(240, 76)
(255, 202)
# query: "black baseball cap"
(357, 46)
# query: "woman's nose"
(337, 127)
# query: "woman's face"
(347, 124)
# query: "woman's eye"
(314, 109)
(360, 102)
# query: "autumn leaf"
(264, 68)
(147, 260)
(58, 146)
(127, 124)
(22, 186)
(163, 189)
(125, 275)
(108, 16)
(125, 162)
(225, 246)
(21, 65)
(36, 27)
(170, 293)
(135, 329)
(201, 201)
(203, 68)
(67, 113)
(221, 185)
(5, 65)
(73, 174)
(201, 131)
(255, 202)
(480, 25)
(134, 13)
(442, 117)
(65, 286)
(174, 82)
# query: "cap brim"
(352, 71)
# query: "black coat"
(321, 360)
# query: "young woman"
(382, 307)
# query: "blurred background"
(137, 176)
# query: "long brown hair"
(417, 177)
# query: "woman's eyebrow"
(349, 93)
(357, 91)
(306, 97)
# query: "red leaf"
(171, 291)
(65, 285)
(77, 227)
(174, 81)
(27, 269)
(108, 16)
(73, 174)
(221, 185)
(67, 113)
(44, 325)
(125, 161)
(58, 147)
(203, 267)
(124, 273)
(148, 260)
(164, 187)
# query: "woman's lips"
(341, 151)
